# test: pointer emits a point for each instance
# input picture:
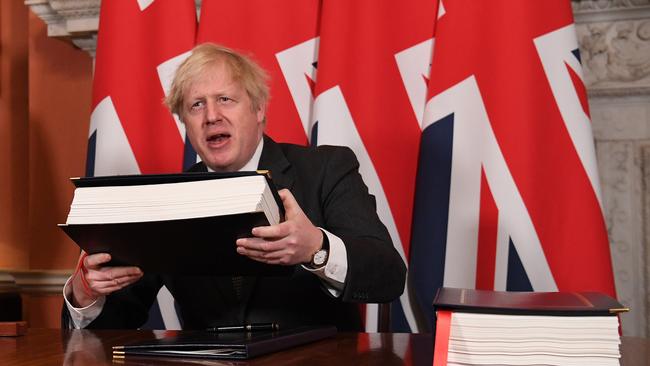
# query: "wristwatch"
(319, 259)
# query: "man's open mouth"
(218, 138)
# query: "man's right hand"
(101, 280)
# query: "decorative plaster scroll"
(616, 56)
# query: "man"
(341, 252)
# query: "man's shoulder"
(315, 152)
(325, 158)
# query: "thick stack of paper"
(479, 327)
(182, 224)
(494, 339)
(173, 201)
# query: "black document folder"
(203, 245)
(531, 303)
(240, 345)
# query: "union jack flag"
(469, 119)
(507, 193)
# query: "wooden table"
(41, 347)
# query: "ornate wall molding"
(35, 281)
(580, 6)
(620, 173)
(621, 127)
(76, 20)
(599, 10)
(616, 56)
(614, 38)
(620, 118)
(7, 282)
(645, 254)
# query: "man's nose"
(213, 112)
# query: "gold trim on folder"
(619, 310)
(264, 172)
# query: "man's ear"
(261, 113)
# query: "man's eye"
(196, 105)
(224, 99)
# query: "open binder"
(181, 224)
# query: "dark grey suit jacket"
(328, 187)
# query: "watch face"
(320, 257)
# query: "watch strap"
(325, 247)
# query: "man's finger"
(288, 201)
(271, 232)
(260, 253)
(259, 244)
(127, 280)
(251, 253)
(267, 260)
(111, 273)
(119, 282)
(95, 260)
(125, 271)
(103, 285)
(108, 290)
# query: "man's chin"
(220, 165)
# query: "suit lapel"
(273, 159)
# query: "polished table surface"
(42, 347)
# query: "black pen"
(255, 327)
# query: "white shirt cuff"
(81, 317)
(335, 270)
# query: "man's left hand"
(291, 242)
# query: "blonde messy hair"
(243, 70)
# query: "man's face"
(221, 124)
